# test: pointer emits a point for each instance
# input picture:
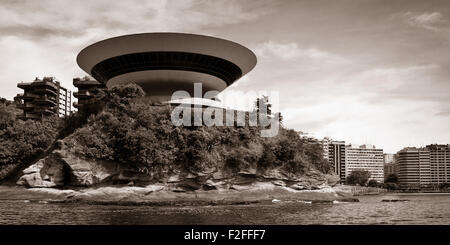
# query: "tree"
(390, 186)
(23, 141)
(128, 90)
(444, 185)
(373, 183)
(280, 117)
(392, 178)
(7, 118)
(262, 104)
(358, 177)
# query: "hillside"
(122, 139)
(22, 141)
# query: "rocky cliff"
(75, 179)
(129, 143)
(64, 168)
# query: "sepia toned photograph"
(237, 112)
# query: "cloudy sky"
(363, 71)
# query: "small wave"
(395, 200)
(338, 202)
(276, 200)
(307, 202)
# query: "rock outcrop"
(159, 194)
(47, 172)
(332, 179)
(63, 167)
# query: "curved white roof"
(241, 56)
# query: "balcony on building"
(26, 106)
(44, 110)
(77, 105)
(26, 96)
(23, 85)
(46, 100)
(45, 90)
(86, 82)
(84, 94)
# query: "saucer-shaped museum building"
(162, 63)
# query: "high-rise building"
(326, 148)
(366, 158)
(425, 167)
(389, 165)
(65, 102)
(336, 157)
(42, 98)
(413, 167)
(334, 153)
(87, 88)
(388, 157)
(439, 163)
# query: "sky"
(364, 71)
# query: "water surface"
(420, 209)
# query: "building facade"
(389, 165)
(43, 98)
(326, 148)
(413, 167)
(390, 168)
(425, 167)
(439, 163)
(165, 62)
(365, 158)
(87, 88)
(64, 102)
(336, 158)
(334, 153)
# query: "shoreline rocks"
(63, 168)
(161, 195)
(95, 181)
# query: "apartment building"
(87, 88)
(43, 97)
(365, 158)
(439, 163)
(413, 167)
(336, 157)
(389, 165)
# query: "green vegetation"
(121, 125)
(391, 182)
(358, 177)
(373, 183)
(138, 134)
(392, 178)
(22, 141)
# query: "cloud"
(443, 113)
(352, 104)
(427, 20)
(43, 37)
(384, 86)
(410, 83)
(290, 51)
(37, 19)
(379, 83)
